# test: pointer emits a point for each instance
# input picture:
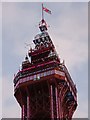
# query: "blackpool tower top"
(43, 87)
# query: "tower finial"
(42, 12)
(42, 23)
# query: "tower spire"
(42, 12)
(42, 24)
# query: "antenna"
(28, 45)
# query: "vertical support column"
(61, 113)
(71, 112)
(59, 107)
(57, 110)
(51, 101)
(28, 107)
(28, 103)
(23, 114)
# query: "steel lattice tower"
(43, 87)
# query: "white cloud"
(0, 97)
(71, 35)
(10, 107)
(0, 60)
(81, 111)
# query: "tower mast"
(42, 12)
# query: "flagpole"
(42, 12)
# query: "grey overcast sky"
(69, 32)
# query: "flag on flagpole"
(46, 10)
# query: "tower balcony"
(36, 77)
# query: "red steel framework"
(43, 87)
